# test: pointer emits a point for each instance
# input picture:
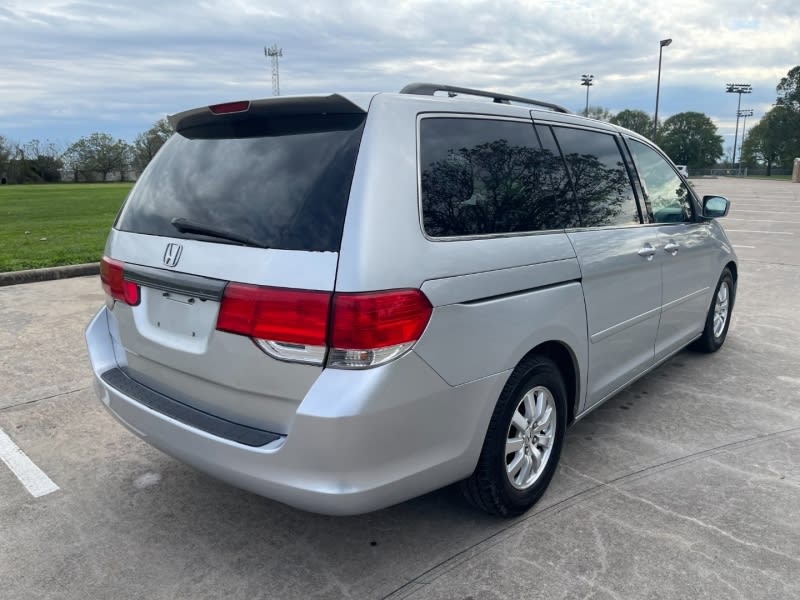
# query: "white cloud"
(82, 66)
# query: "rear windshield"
(281, 183)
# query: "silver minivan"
(344, 301)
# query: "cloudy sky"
(68, 69)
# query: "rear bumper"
(359, 441)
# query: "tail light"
(374, 328)
(356, 331)
(287, 324)
(112, 276)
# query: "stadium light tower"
(744, 113)
(737, 88)
(661, 46)
(273, 53)
(587, 81)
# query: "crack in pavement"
(35, 400)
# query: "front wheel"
(523, 443)
(719, 315)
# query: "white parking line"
(32, 477)
(740, 246)
(754, 231)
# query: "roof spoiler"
(285, 106)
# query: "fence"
(744, 172)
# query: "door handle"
(647, 251)
(672, 248)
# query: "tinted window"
(603, 192)
(667, 196)
(286, 188)
(481, 176)
(568, 213)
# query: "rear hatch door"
(245, 193)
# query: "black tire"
(708, 342)
(489, 488)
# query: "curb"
(50, 273)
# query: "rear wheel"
(523, 442)
(719, 316)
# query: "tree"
(789, 90)
(775, 140)
(99, 153)
(31, 162)
(7, 150)
(635, 120)
(788, 103)
(691, 138)
(42, 162)
(108, 155)
(76, 160)
(149, 142)
(600, 113)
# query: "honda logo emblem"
(172, 255)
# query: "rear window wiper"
(187, 226)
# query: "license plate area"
(179, 321)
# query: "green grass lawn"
(57, 224)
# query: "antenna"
(273, 53)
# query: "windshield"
(281, 184)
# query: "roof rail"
(429, 89)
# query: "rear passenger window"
(667, 196)
(484, 176)
(602, 187)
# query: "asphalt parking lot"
(686, 485)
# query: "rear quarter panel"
(470, 340)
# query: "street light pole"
(662, 43)
(587, 81)
(737, 88)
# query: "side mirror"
(715, 207)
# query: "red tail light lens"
(112, 276)
(356, 331)
(230, 107)
(276, 314)
(378, 319)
